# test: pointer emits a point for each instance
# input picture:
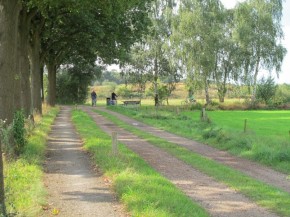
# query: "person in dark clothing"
(114, 98)
(94, 98)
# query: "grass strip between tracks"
(143, 191)
(263, 194)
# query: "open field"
(262, 123)
(266, 139)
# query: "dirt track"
(250, 168)
(76, 190)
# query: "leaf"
(55, 211)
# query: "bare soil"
(77, 188)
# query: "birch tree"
(258, 33)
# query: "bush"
(266, 90)
(72, 84)
(212, 133)
(19, 132)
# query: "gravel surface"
(75, 187)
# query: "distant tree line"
(206, 44)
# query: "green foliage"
(258, 32)
(19, 132)
(110, 76)
(25, 193)
(266, 90)
(283, 94)
(128, 92)
(72, 84)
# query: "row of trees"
(38, 34)
(35, 33)
(205, 43)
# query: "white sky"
(285, 73)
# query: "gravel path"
(74, 187)
(250, 168)
(217, 198)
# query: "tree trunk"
(207, 99)
(9, 11)
(156, 97)
(36, 73)
(222, 90)
(51, 84)
(24, 26)
(255, 80)
(2, 192)
(41, 82)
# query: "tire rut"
(215, 197)
(250, 168)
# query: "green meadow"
(261, 123)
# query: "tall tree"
(226, 66)
(258, 33)
(149, 59)
(198, 24)
(94, 30)
(36, 62)
(8, 56)
(9, 11)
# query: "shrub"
(266, 90)
(243, 143)
(211, 133)
(19, 132)
(283, 156)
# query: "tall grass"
(138, 186)
(25, 193)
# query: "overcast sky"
(285, 74)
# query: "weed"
(283, 155)
(211, 133)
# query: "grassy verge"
(24, 188)
(266, 140)
(265, 195)
(138, 186)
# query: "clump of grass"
(24, 188)
(138, 186)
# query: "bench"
(132, 102)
